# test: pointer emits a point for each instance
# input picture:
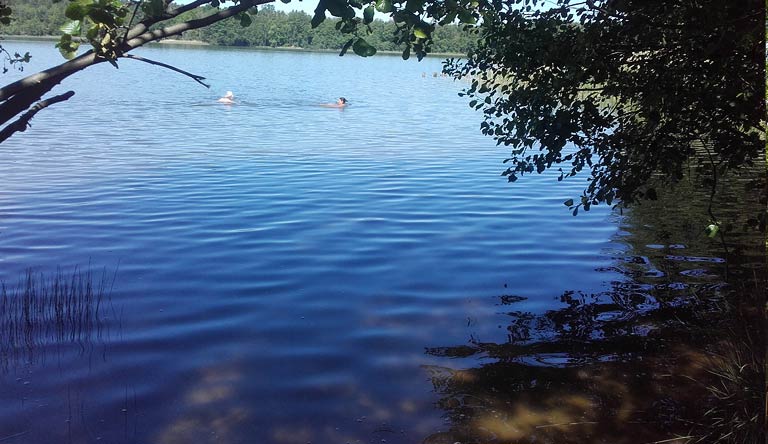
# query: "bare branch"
(130, 22)
(22, 123)
(145, 24)
(174, 30)
(188, 7)
(195, 77)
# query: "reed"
(44, 310)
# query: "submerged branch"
(195, 77)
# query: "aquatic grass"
(734, 380)
(52, 309)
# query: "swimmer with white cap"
(228, 98)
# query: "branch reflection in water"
(674, 353)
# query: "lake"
(279, 272)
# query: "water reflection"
(673, 353)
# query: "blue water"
(279, 267)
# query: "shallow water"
(279, 268)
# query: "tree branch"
(18, 96)
(174, 30)
(64, 70)
(145, 24)
(195, 77)
(188, 7)
(22, 123)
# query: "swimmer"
(340, 103)
(228, 98)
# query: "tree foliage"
(625, 90)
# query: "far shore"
(178, 42)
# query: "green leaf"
(448, 19)
(67, 47)
(339, 8)
(100, 15)
(363, 48)
(368, 14)
(72, 28)
(568, 203)
(153, 8)
(245, 20)
(77, 10)
(384, 6)
(318, 18)
(407, 52)
(414, 5)
(466, 17)
(420, 32)
(92, 32)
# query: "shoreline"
(199, 43)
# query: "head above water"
(229, 95)
(342, 100)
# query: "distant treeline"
(270, 28)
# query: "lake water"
(278, 272)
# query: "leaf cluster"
(623, 91)
(14, 60)
(103, 23)
(415, 21)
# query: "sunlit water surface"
(279, 267)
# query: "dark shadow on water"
(672, 353)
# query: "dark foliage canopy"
(626, 90)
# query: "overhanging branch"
(145, 24)
(21, 124)
(195, 77)
(19, 96)
(177, 29)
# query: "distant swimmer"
(340, 103)
(228, 98)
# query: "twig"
(130, 22)
(22, 123)
(565, 424)
(712, 193)
(16, 435)
(671, 439)
(195, 77)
